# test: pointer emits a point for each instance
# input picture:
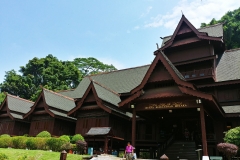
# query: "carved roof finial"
(157, 46)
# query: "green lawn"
(18, 154)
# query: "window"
(201, 74)
(186, 76)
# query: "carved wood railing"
(201, 73)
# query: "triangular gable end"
(184, 26)
(88, 95)
(37, 104)
(3, 106)
(170, 68)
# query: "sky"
(123, 33)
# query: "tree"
(233, 136)
(48, 72)
(89, 66)
(231, 22)
(2, 96)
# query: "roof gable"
(184, 26)
(90, 90)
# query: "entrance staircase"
(181, 150)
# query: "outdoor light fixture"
(170, 111)
(162, 117)
(198, 109)
(132, 105)
(198, 101)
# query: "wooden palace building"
(184, 100)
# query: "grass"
(20, 154)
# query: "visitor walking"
(129, 151)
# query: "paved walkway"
(110, 157)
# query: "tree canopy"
(50, 73)
(231, 27)
(89, 66)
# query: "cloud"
(136, 28)
(195, 10)
(146, 12)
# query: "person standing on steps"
(129, 151)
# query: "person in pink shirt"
(129, 151)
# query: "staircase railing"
(166, 144)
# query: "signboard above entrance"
(166, 105)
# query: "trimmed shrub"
(230, 150)
(76, 138)
(44, 134)
(55, 143)
(5, 135)
(6, 142)
(81, 146)
(233, 136)
(41, 143)
(66, 146)
(67, 138)
(31, 143)
(3, 156)
(19, 142)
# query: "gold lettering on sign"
(166, 105)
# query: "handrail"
(198, 73)
(166, 144)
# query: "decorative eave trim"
(205, 96)
(131, 98)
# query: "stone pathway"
(111, 157)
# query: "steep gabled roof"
(58, 101)
(214, 32)
(172, 70)
(101, 93)
(55, 104)
(121, 81)
(228, 67)
(16, 106)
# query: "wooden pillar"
(106, 145)
(134, 127)
(203, 128)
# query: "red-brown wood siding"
(7, 126)
(159, 74)
(89, 119)
(189, 53)
(63, 127)
(21, 128)
(41, 123)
